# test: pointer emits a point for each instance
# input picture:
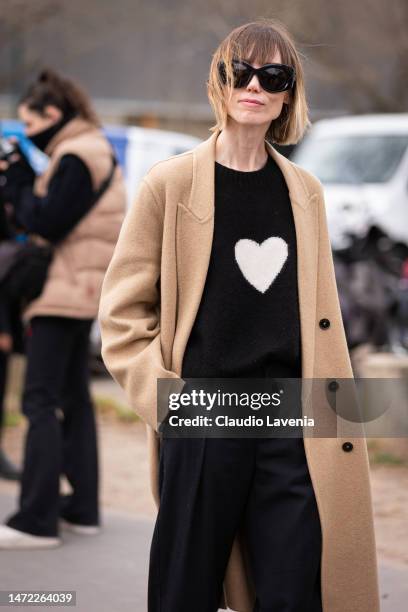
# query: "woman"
(78, 205)
(223, 268)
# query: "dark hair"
(52, 89)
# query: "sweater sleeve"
(129, 309)
(69, 198)
(4, 226)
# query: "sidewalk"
(109, 571)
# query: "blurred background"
(145, 65)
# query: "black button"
(347, 447)
(333, 385)
(324, 323)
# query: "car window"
(352, 159)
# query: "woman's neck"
(241, 148)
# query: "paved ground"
(109, 571)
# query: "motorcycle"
(372, 279)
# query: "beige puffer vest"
(80, 260)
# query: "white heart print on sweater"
(261, 263)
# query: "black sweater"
(248, 320)
(69, 198)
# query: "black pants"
(57, 377)
(210, 489)
(3, 377)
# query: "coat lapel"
(195, 226)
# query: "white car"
(362, 162)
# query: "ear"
(286, 98)
(53, 112)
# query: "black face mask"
(41, 139)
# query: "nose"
(254, 84)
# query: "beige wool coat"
(150, 296)
(79, 263)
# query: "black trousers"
(3, 380)
(58, 442)
(211, 488)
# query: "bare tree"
(17, 18)
(357, 50)
(361, 47)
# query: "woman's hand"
(6, 342)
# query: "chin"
(251, 119)
(254, 117)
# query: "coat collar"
(202, 193)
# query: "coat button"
(333, 385)
(324, 323)
(347, 447)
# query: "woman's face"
(252, 105)
(34, 122)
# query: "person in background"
(77, 205)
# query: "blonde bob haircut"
(258, 42)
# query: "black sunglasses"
(272, 77)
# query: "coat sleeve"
(129, 308)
